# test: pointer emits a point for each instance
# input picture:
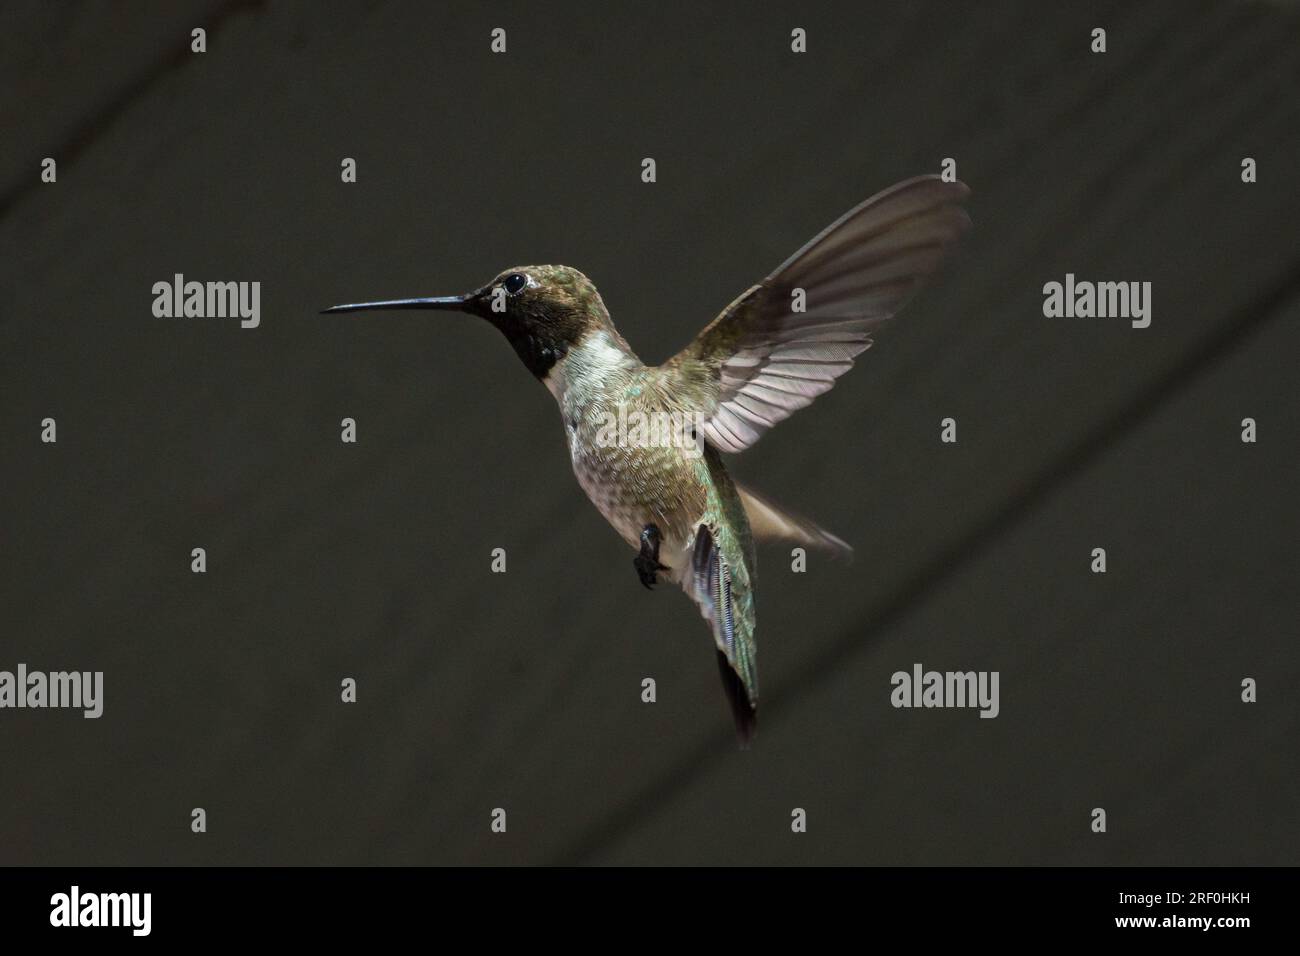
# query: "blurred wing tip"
(839, 548)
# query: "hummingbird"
(776, 347)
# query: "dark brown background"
(522, 690)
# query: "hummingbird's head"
(542, 310)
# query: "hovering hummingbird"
(774, 349)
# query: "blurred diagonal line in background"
(101, 119)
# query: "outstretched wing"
(761, 360)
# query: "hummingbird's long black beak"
(448, 303)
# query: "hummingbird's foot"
(647, 562)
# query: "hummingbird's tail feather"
(771, 522)
(743, 711)
(725, 601)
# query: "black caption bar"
(339, 905)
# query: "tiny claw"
(647, 562)
(645, 569)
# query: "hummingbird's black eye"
(515, 283)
